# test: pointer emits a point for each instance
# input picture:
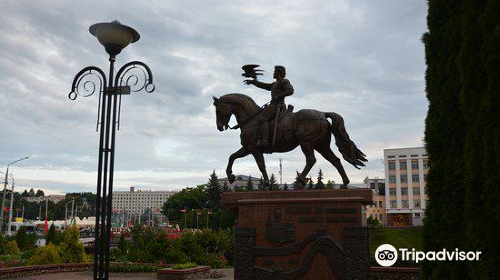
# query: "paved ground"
(85, 275)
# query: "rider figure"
(279, 90)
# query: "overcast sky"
(361, 59)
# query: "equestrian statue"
(275, 128)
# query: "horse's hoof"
(231, 178)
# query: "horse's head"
(223, 112)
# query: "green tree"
(310, 185)
(25, 194)
(329, 185)
(71, 248)
(51, 236)
(319, 184)
(39, 193)
(213, 192)
(188, 198)
(31, 192)
(249, 186)
(273, 186)
(22, 238)
(262, 185)
(122, 243)
(462, 137)
(297, 185)
(225, 187)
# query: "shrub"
(11, 248)
(176, 255)
(184, 265)
(71, 248)
(22, 238)
(51, 236)
(48, 254)
(130, 267)
(122, 243)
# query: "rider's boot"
(264, 137)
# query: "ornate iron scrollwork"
(137, 75)
(87, 81)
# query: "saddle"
(285, 125)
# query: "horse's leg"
(328, 154)
(308, 150)
(259, 158)
(229, 169)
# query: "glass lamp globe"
(114, 36)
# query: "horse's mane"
(242, 100)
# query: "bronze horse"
(311, 130)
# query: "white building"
(405, 178)
(138, 201)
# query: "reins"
(250, 118)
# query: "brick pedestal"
(305, 235)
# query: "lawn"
(397, 237)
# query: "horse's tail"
(347, 148)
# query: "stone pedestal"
(307, 235)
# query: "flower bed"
(67, 267)
(181, 274)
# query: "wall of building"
(405, 174)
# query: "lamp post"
(114, 37)
(9, 232)
(4, 190)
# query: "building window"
(417, 215)
(381, 219)
(372, 185)
(426, 164)
(415, 178)
(392, 165)
(392, 179)
(392, 191)
(416, 191)
(403, 156)
(394, 204)
(402, 165)
(380, 204)
(404, 191)
(425, 177)
(403, 178)
(414, 165)
(404, 203)
(416, 203)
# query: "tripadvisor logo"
(387, 255)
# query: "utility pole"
(281, 171)
(4, 191)
(11, 205)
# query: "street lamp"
(132, 77)
(9, 232)
(4, 190)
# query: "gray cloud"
(361, 59)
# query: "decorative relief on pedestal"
(277, 231)
(357, 256)
(243, 253)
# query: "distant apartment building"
(377, 209)
(405, 180)
(139, 201)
